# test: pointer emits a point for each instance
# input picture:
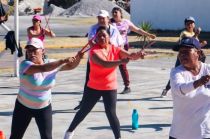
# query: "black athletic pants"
(22, 117)
(91, 97)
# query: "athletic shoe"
(68, 135)
(164, 93)
(126, 90)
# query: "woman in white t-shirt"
(124, 26)
(190, 89)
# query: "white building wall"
(170, 14)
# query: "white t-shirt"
(191, 107)
(115, 37)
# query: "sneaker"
(68, 135)
(126, 90)
(164, 93)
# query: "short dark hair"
(117, 9)
(103, 28)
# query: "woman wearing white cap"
(36, 31)
(37, 78)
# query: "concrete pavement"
(148, 77)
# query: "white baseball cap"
(190, 18)
(35, 42)
(103, 13)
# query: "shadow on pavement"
(128, 128)
(67, 93)
(157, 108)
(9, 94)
(143, 99)
(72, 111)
(9, 87)
(6, 113)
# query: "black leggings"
(22, 117)
(90, 99)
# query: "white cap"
(190, 18)
(37, 43)
(103, 13)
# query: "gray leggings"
(22, 117)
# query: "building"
(170, 14)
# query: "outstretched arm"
(49, 32)
(142, 32)
(133, 55)
(35, 68)
(107, 64)
(73, 63)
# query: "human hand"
(80, 55)
(152, 36)
(125, 60)
(142, 53)
(203, 43)
(204, 79)
(197, 31)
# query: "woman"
(191, 95)
(124, 26)
(36, 31)
(37, 78)
(104, 59)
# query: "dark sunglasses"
(35, 20)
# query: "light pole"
(16, 24)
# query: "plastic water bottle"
(135, 120)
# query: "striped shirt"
(35, 90)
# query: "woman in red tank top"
(104, 60)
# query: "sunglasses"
(35, 20)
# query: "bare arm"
(133, 55)
(72, 64)
(49, 32)
(142, 32)
(107, 64)
(46, 67)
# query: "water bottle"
(135, 120)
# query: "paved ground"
(148, 77)
(62, 26)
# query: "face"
(190, 25)
(36, 22)
(103, 21)
(103, 38)
(116, 14)
(34, 54)
(188, 56)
